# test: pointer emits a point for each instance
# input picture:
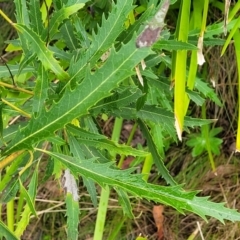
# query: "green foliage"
(78, 68)
(199, 144)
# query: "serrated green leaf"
(83, 134)
(36, 16)
(27, 59)
(113, 147)
(121, 98)
(155, 154)
(68, 36)
(173, 196)
(28, 199)
(58, 18)
(195, 97)
(25, 216)
(61, 54)
(73, 2)
(101, 141)
(75, 103)
(40, 91)
(125, 203)
(127, 35)
(43, 53)
(105, 37)
(91, 188)
(196, 122)
(159, 116)
(21, 12)
(6, 232)
(72, 217)
(9, 191)
(76, 150)
(22, 17)
(203, 88)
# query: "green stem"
(103, 203)
(101, 215)
(10, 215)
(130, 138)
(148, 162)
(205, 130)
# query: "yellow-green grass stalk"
(232, 14)
(179, 67)
(236, 38)
(198, 21)
(147, 166)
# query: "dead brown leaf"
(159, 220)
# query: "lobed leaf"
(172, 196)
(77, 102)
(43, 53)
(105, 37)
(58, 18)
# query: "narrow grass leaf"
(179, 72)
(174, 45)
(237, 51)
(4, 72)
(230, 36)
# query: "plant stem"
(103, 203)
(130, 138)
(16, 108)
(16, 88)
(6, 18)
(148, 162)
(205, 130)
(101, 215)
